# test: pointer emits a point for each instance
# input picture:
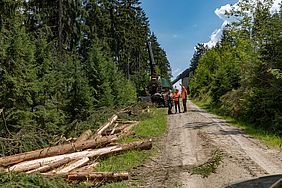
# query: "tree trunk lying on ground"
(115, 131)
(50, 166)
(121, 130)
(56, 150)
(98, 176)
(88, 168)
(106, 125)
(69, 167)
(126, 122)
(29, 165)
(84, 136)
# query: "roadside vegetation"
(272, 139)
(241, 75)
(67, 64)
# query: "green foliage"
(210, 166)
(61, 62)
(23, 180)
(242, 73)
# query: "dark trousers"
(184, 101)
(176, 104)
(169, 105)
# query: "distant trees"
(241, 75)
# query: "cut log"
(126, 122)
(121, 130)
(56, 150)
(127, 130)
(88, 168)
(71, 166)
(115, 131)
(84, 136)
(98, 176)
(107, 151)
(106, 125)
(50, 166)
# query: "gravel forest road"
(191, 140)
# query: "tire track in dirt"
(190, 140)
(267, 159)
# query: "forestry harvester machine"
(154, 89)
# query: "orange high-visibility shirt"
(184, 93)
(176, 96)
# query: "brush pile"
(76, 159)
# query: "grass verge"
(269, 138)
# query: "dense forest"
(63, 62)
(242, 75)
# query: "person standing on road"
(169, 101)
(184, 94)
(176, 97)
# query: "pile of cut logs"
(76, 160)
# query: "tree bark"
(107, 151)
(71, 166)
(122, 129)
(56, 150)
(98, 176)
(50, 166)
(115, 131)
(106, 125)
(88, 168)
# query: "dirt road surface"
(191, 140)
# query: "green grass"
(152, 127)
(23, 180)
(124, 162)
(210, 166)
(269, 138)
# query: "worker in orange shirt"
(184, 94)
(176, 96)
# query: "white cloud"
(221, 13)
(275, 7)
(215, 36)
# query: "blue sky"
(181, 24)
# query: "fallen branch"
(122, 129)
(55, 150)
(106, 125)
(84, 136)
(88, 168)
(125, 122)
(114, 131)
(107, 151)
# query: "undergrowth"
(23, 180)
